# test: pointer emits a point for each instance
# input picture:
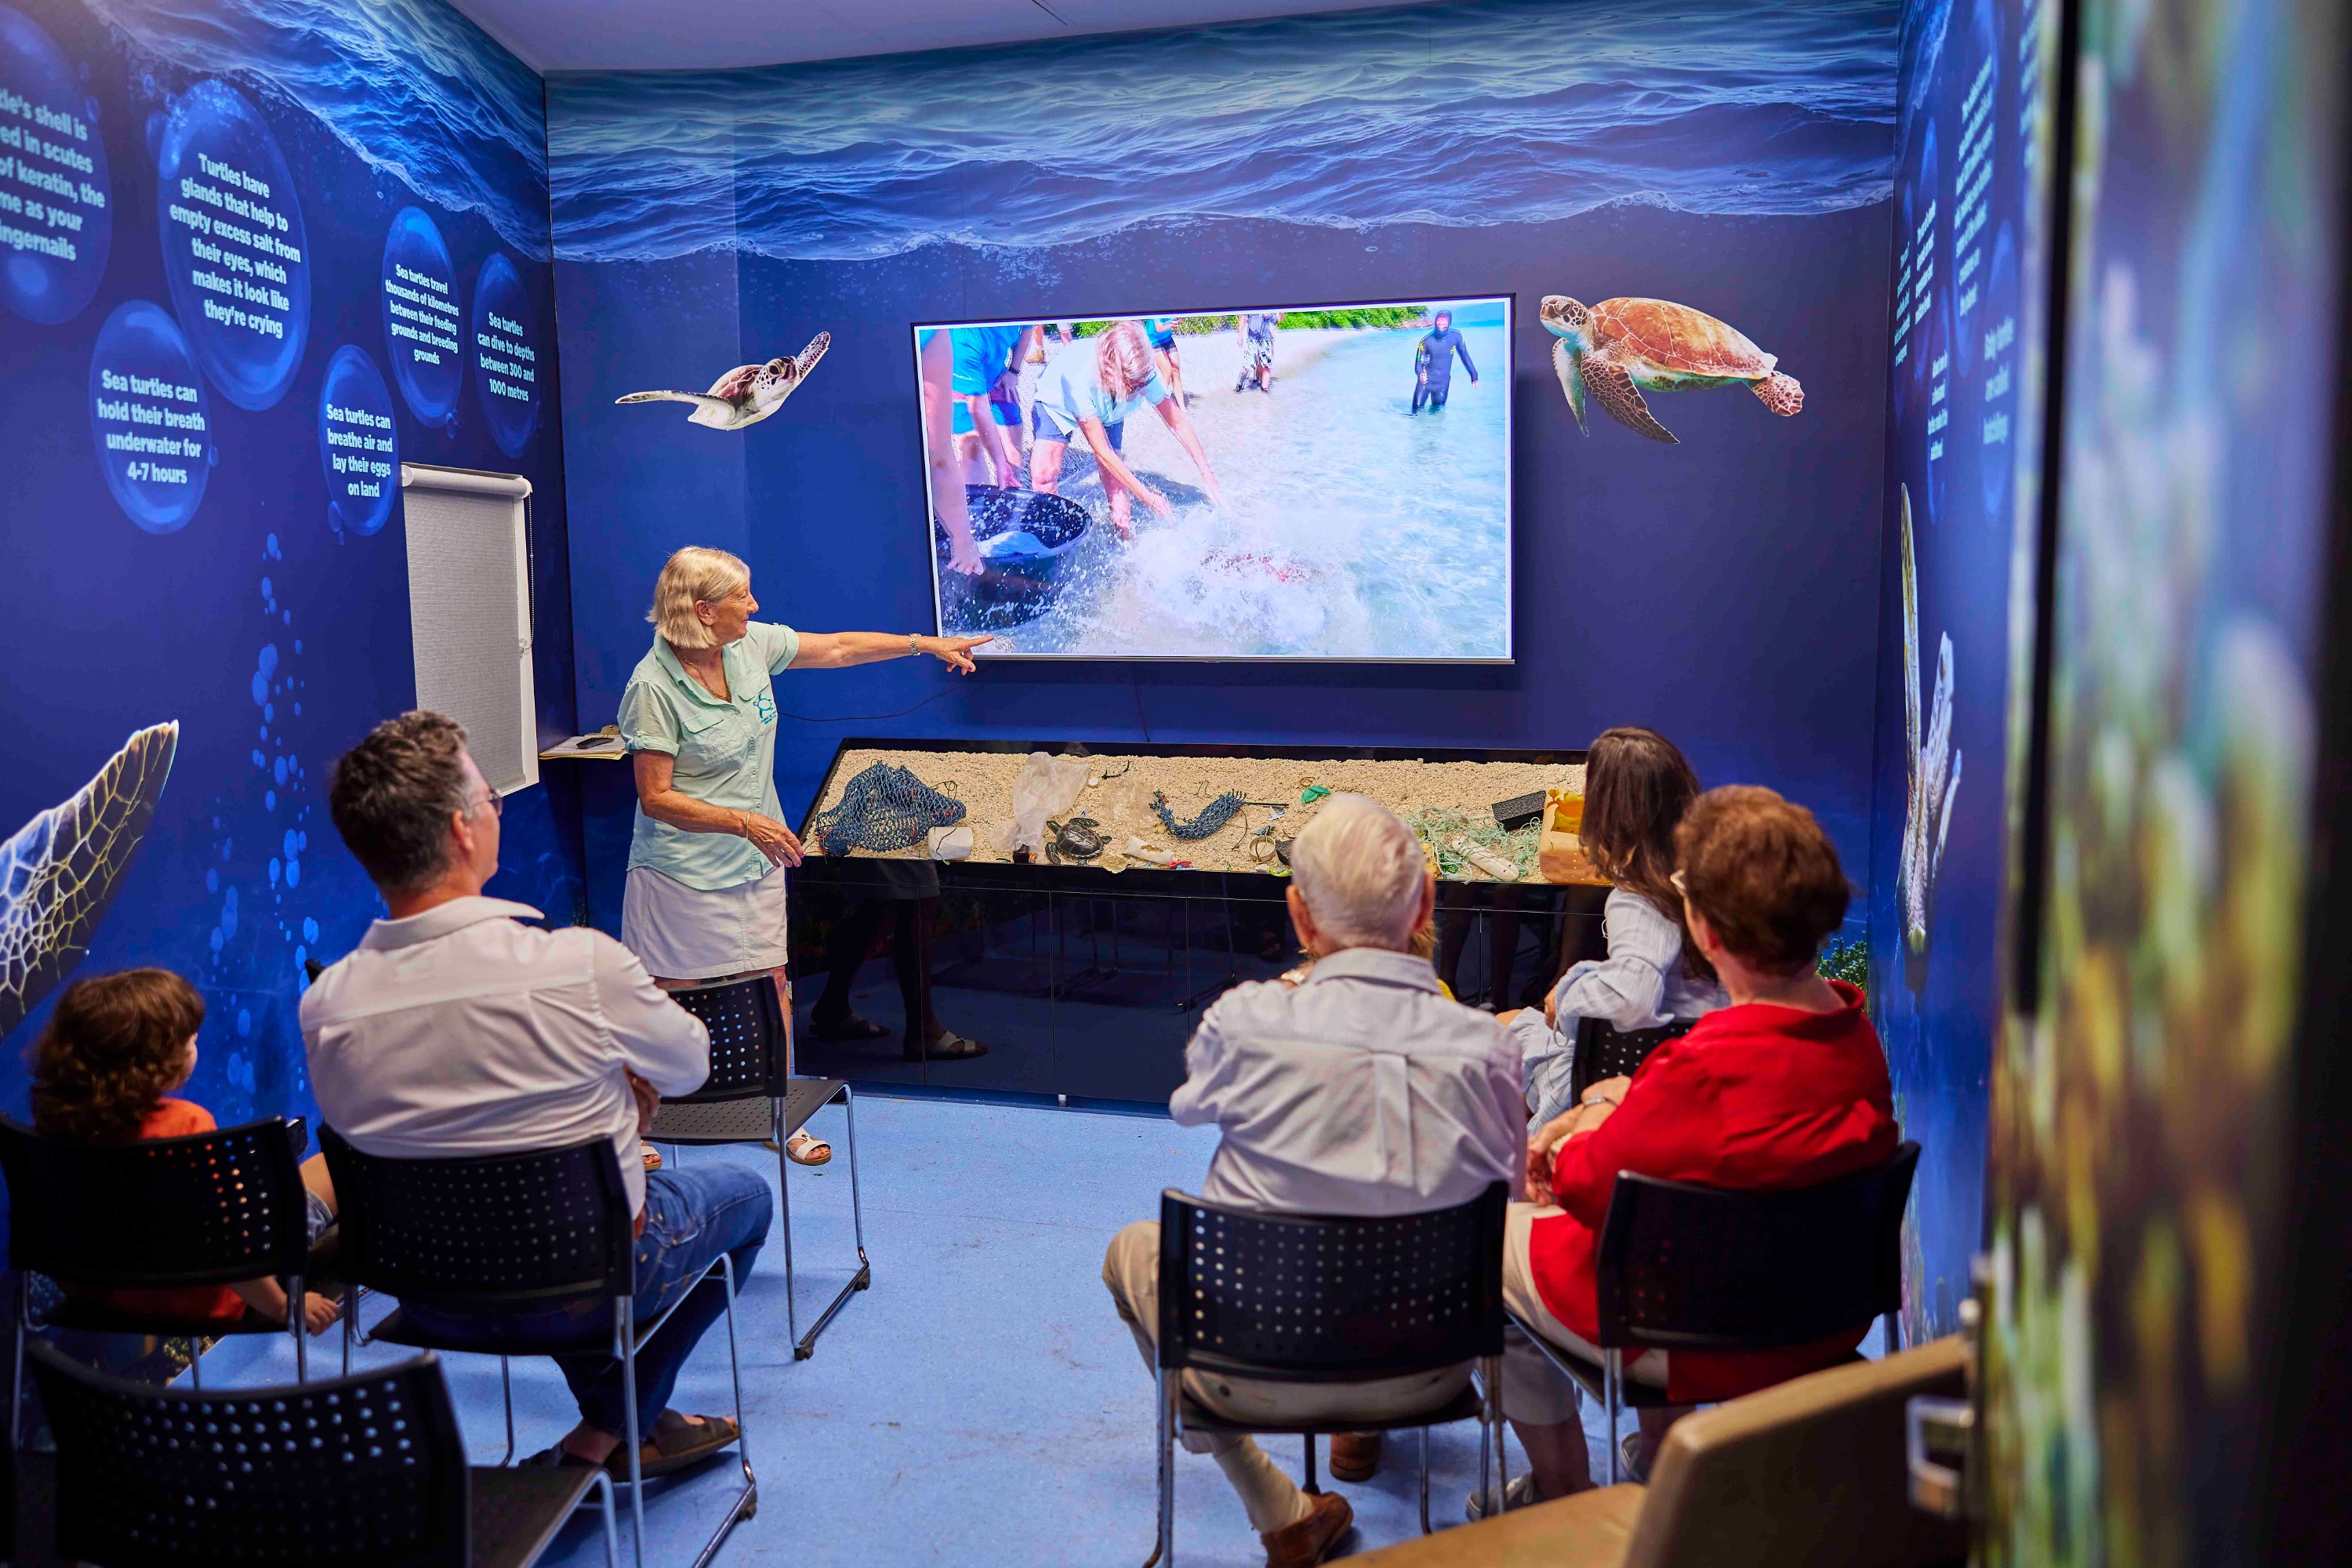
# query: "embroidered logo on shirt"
(767, 704)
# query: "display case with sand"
(1209, 808)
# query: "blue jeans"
(691, 1216)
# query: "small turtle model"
(747, 393)
(1620, 349)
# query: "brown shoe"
(1355, 1455)
(1302, 1545)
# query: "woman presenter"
(704, 901)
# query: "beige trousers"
(1535, 1390)
(1132, 1273)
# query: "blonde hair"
(695, 575)
(1122, 359)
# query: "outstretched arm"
(1462, 347)
(839, 650)
(1179, 424)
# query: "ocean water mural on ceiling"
(1731, 159)
(1963, 373)
(200, 364)
(1471, 117)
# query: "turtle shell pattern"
(1678, 339)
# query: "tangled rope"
(884, 808)
(1213, 817)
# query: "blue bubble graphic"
(421, 317)
(293, 873)
(275, 871)
(68, 218)
(504, 348)
(149, 421)
(244, 1027)
(359, 444)
(309, 929)
(212, 879)
(234, 245)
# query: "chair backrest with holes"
(209, 1208)
(1298, 1297)
(1691, 1268)
(1604, 1050)
(541, 1223)
(746, 1022)
(368, 1468)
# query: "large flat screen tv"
(1268, 482)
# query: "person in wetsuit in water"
(1432, 362)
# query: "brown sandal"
(673, 1447)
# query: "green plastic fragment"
(1312, 793)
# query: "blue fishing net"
(886, 807)
(1214, 815)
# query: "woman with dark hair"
(1637, 785)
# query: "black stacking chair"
(752, 1098)
(1688, 1267)
(1308, 1299)
(1604, 1050)
(361, 1469)
(159, 1213)
(543, 1226)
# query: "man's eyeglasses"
(494, 800)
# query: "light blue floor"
(979, 1404)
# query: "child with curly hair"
(104, 1071)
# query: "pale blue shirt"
(725, 751)
(1071, 389)
(1642, 984)
(1360, 1091)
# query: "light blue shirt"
(725, 751)
(1360, 1091)
(1642, 984)
(1071, 389)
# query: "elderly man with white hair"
(1362, 1090)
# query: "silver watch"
(914, 640)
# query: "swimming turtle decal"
(59, 873)
(1933, 765)
(1620, 349)
(746, 394)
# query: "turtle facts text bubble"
(234, 245)
(57, 214)
(148, 417)
(359, 443)
(504, 342)
(422, 319)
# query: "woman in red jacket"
(1785, 1087)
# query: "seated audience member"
(1784, 1088)
(104, 1071)
(455, 1029)
(1360, 1090)
(1636, 788)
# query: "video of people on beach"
(1315, 482)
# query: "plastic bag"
(1046, 786)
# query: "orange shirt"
(1759, 1097)
(217, 1303)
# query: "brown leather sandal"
(673, 1446)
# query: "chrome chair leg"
(856, 1211)
(1613, 1375)
(1491, 1426)
(1164, 1426)
(624, 1337)
(1311, 1489)
(506, 1391)
(351, 1323)
(296, 1292)
(785, 1223)
(16, 1364)
(603, 1486)
(196, 1362)
(1424, 1478)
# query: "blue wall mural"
(252, 257)
(1963, 432)
(1733, 159)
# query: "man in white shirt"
(1360, 1091)
(453, 1029)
